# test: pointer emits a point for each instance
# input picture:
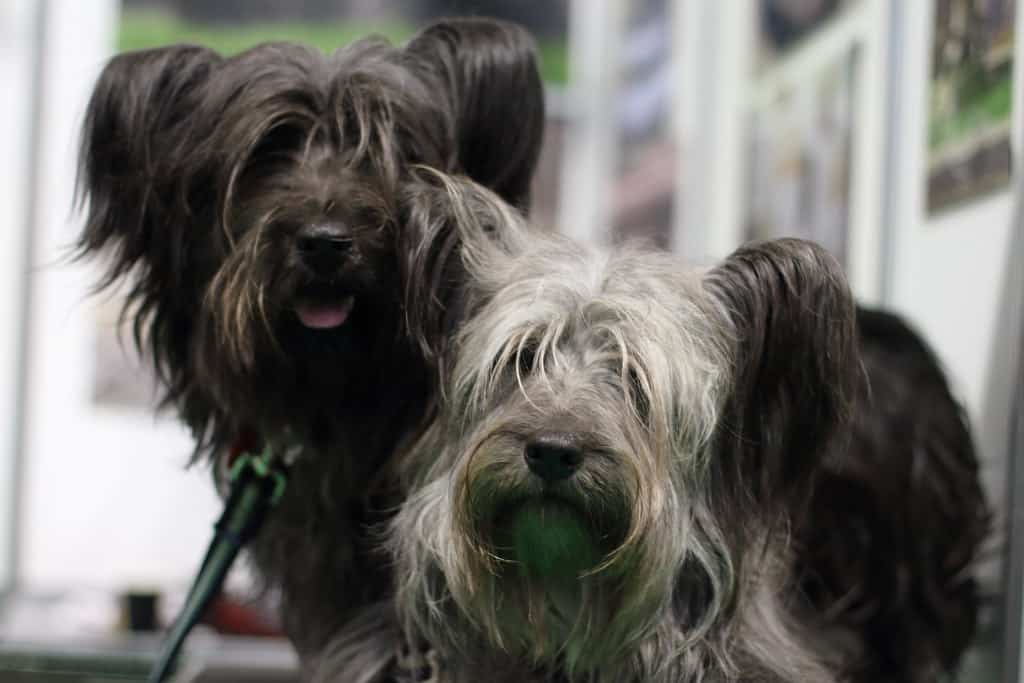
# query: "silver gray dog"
(638, 472)
(608, 491)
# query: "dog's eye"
(638, 396)
(516, 363)
(280, 144)
(525, 359)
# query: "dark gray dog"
(258, 206)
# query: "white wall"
(106, 500)
(17, 42)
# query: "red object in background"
(229, 616)
(248, 441)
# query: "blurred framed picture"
(799, 166)
(969, 117)
(230, 26)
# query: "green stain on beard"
(550, 539)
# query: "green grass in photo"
(985, 101)
(140, 29)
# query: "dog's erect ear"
(137, 128)
(452, 229)
(795, 366)
(488, 72)
(135, 187)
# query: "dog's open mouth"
(317, 314)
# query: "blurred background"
(887, 131)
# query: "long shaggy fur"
(201, 173)
(898, 520)
(702, 404)
(775, 485)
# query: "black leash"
(257, 484)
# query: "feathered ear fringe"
(796, 367)
(488, 71)
(450, 227)
(137, 133)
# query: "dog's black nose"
(553, 457)
(324, 246)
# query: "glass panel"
(799, 171)
(645, 183)
(782, 24)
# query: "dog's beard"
(545, 531)
(573, 572)
(548, 538)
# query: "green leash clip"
(258, 482)
(262, 465)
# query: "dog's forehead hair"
(309, 80)
(589, 302)
(588, 316)
(352, 107)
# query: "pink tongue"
(321, 317)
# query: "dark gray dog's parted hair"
(258, 208)
(693, 409)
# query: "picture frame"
(970, 101)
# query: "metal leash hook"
(257, 484)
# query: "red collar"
(248, 441)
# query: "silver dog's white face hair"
(567, 320)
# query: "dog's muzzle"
(324, 249)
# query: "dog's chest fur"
(319, 548)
